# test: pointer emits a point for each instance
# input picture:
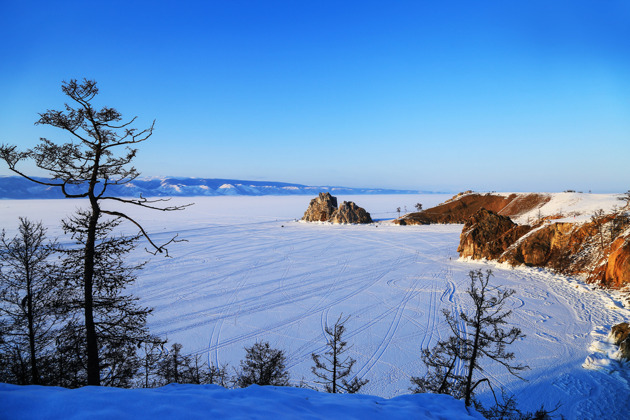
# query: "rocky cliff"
(616, 271)
(324, 209)
(599, 249)
(488, 235)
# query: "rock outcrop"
(547, 245)
(483, 235)
(620, 334)
(624, 349)
(588, 249)
(349, 212)
(321, 208)
(598, 249)
(324, 209)
(464, 205)
(616, 272)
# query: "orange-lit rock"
(617, 268)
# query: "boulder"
(624, 349)
(349, 212)
(620, 332)
(483, 235)
(321, 208)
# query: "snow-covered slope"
(18, 188)
(204, 402)
(575, 207)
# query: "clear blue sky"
(441, 95)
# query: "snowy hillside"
(575, 207)
(250, 272)
(19, 188)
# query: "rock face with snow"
(349, 212)
(484, 235)
(545, 246)
(620, 334)
(321, 208)
(588, 248)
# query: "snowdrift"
(214, 402)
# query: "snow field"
(249, 272)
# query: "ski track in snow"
(242, 278)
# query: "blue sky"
(449, 95)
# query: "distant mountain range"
(15, 187)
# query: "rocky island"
(323, 208)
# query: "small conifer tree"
(333, 368)
(263, 366)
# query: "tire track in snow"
(219, 323)
(431, 312)
(213, 347)
(391, 331)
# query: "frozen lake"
(249, 271)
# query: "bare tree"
(218, 375)
(84, 168)
(333, 368)
(27, 300)
(488, 339)
(625, 197)
(152, 353)
(598, 218)
(175, 367)
(618, 222)
(483, 337)
(443, 375)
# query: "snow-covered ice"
(250, 272)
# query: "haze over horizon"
(490, 95)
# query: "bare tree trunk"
(473, 356)
(93, 365)
(335, 363)
(29, 316)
